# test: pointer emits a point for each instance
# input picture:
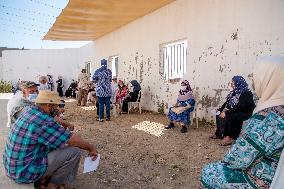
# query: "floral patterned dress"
(252, 161)
(121, 93)
(183, 117)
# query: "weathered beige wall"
(224, 39)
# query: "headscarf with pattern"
(186, 93)
(240, 86)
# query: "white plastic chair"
(193, 115)
(114, 109)
(134, 104)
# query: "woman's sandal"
(226, 143)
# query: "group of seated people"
(238, 107)
(72, 89)
(258, 131)
(122, 94)
(42, 149)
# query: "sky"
(23, 23)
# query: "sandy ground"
(132, 158)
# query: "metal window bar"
(185, 59)
(166, 63)
(116, 66)
(174, 60)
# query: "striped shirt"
(102, 78)
(31, 138)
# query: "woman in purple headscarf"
(185, 99)
(238, 107)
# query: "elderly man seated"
(39, 150)
(26, 97)
(28, 92)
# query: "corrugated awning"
(90, 19)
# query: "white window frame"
(88, 67)
(173, 60)
(114, 65)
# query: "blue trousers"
(104, 101)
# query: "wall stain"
(219, 56)
(234, 36)
(141, 71)
(222, 49)
(207, 101)
(221, 69)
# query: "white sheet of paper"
(90, 165)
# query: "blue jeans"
(104, 101)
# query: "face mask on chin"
(32, 97)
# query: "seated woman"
(131, 96)
(71, 91)
(185, 99)
(237, 108)
(252, 160)
(121, 92)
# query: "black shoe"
(170, 126)
(107, 119)
(183, 129)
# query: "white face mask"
(183, 88)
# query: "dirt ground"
(135, 159)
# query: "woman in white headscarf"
(253, 159)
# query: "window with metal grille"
(174, 58)
(88, 67)
(114, 65)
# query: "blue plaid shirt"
(31, 138)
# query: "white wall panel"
(225, 37)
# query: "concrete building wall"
(30, 64)
(1, 69)
(224, 39)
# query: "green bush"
(161, 107)
(5, 87)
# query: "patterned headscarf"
(240, 86)
(186, 93)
